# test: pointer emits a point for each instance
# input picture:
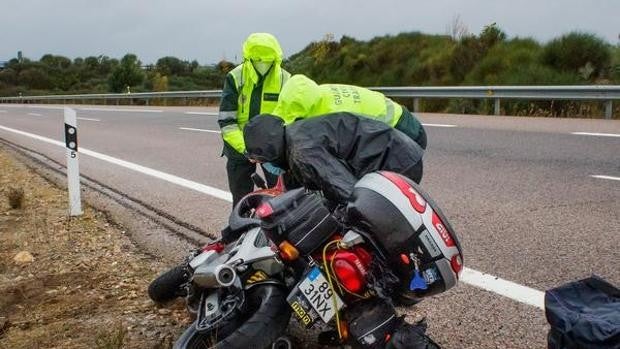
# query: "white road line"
(88, 119)
(31, 106)
(439, 125)
(596, 134)
(124, 110)
(205, 189)
(201, 113)
(503, 287)
(199, 129)
(35, 114)
(472, 277)
(606, 177)
(43, 107)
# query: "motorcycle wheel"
(167, 286)
(404, 301)
(266, 319)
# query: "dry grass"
(86, 287)
(113, 338)
(15, 196)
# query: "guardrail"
(604, 93)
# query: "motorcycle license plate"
(314, 299)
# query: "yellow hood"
(297, 98)
(262, 47)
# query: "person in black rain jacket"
(332, 152)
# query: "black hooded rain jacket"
(332, 152)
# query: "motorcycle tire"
(404, 301)
(267, 317)
(167, 286)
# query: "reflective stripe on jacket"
(245, 81)
(246, 93)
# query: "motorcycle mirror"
(258, 181)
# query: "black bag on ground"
(299, 217)
(412, 336)
(584, 314)
(372, 323)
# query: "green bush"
(406, 59)
(615, 65)
(574, 51)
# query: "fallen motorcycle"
(341, 272)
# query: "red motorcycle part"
(214, 246)
(350, 267)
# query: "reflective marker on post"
(73, 169)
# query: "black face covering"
(264, 139)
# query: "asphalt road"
(533, 202)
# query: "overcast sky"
(211, 30)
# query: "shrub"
(574, 51)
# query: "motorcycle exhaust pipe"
(208, 276)
(225, 275)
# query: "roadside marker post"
(73, 168)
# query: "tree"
(58, 62)
(171, 66)
(324, 47)
(127, 73)
(35, 79)
(491, 35)
(457, 28)
(106, 65)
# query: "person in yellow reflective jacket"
(251, 88)
(302, 98)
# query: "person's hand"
(340, 214)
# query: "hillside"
(406, 59)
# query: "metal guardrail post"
(609, 109)
(416, 105)
(497, 106)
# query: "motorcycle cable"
(331, 286)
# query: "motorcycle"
(334, 269)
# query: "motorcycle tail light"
(348, 275)
(288, 252)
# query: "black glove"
(340, 213)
